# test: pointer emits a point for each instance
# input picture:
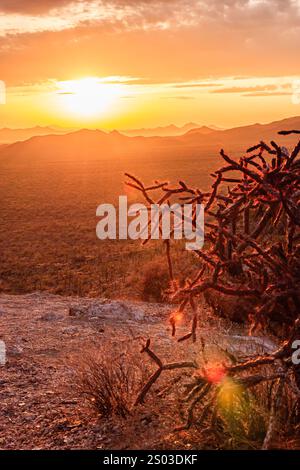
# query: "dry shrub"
(155, 282)
(241, 421)
(109, 381)
(246, 419)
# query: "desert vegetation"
(109, 379)
(52, 185)
(246, 278)
(248, 271)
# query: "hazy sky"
(134, 63)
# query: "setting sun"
(88, 97)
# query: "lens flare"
(215, 373)
(230, 393)
(176, 317)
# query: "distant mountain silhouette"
(8, 135)
(86, 144)
(204, 130)
(163, 131)
(241, 137)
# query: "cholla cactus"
(252, 255)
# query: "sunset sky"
(132, 63)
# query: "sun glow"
(88, 97)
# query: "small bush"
(109, 382)
(155, 282)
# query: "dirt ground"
(40, 407)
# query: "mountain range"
(8, 135)
(170, 130)
(86, 144)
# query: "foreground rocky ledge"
(45, 335)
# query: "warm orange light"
(215, 373)
(88, 97)
(230, 396)
(176, 317)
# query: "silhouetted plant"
(252, 254)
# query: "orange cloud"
(189, 46)
(32, 6)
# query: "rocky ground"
(46, 337)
